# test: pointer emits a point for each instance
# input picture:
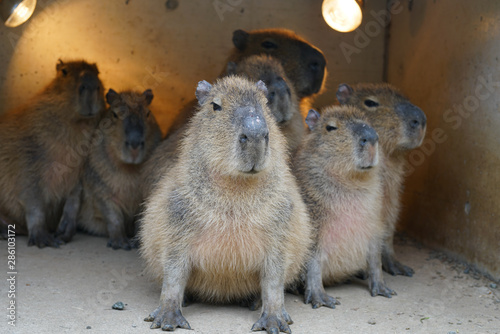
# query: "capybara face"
(236, 124)
(132, 120)
(304, 64)
(400, 124)
(82, 80)
(347, 142)
(270, 71)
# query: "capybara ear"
(148, 95)
(240, 39)
(262, 86)
(202, 91)
(343, 93)
(59, 64)
(312, 119)
(231, 67)
(111, 96)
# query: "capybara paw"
(380, 289)
(167, 320)
(319, 298)
(394, 267)
(120, 243)
(273, 324)
(43, 239)
(66, 230)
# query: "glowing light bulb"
(20, 13)
(342, 15)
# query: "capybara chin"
(112, 179)
(226, 222)
(401, 127)
(337, 169)
(44, 146)
(281, 97)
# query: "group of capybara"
(249, 195)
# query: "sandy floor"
(72, 289)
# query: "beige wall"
(143, 45)
(445, 56)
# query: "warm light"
(342, 15)
(18, 12)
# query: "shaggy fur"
(385, 107)
(341, 185)
(112, 180)
(216, 232)
(44, 146)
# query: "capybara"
(226, 222)
(281, 97)
(401, 127)
(112, 181)
(304, 64)
(44, 146)
(337, 170)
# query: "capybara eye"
(330, 128)
(115, 115)
(216, 106)
(64, 71)
(269, 45)
(243, 139)
(371, 103)
(148, 112)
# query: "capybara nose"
(412, 114)
(366, 134)
(253, 126)
(135, 140)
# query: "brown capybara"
(304, 64)
(112, 179)
(336, 168)
(281, 97)
(44, 146)
(401, 127)
(227, 222)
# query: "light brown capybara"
(227, 222)
(337, 169)
(401, 127)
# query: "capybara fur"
(281, 97)
(44, 146)
(112, 181)
(401, 127)
(337, 170)
(304, 64)
(227, 221)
